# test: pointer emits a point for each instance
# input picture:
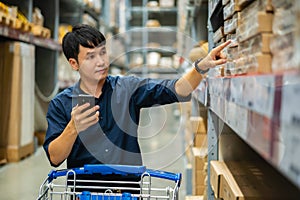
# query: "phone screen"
(85, 98)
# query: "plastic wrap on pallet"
(255, 23)
(233, 38)
(231, 25)
(218, 35)
(284, 21)
(231, 52)
(230, 68)
(258, 44)
(230, 9)
(260, 63)
(224, 2)
(244, 2)
(283, 3)
(297, 30)
(281, 42)
(255, 7)
(285, 54)
(267, 4)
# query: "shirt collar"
(77, 90)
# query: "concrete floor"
(161, 140)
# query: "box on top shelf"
(256, 23)
(231, 24)
(286, 4)
(285, 53)
(230, 9)
(257, 44)
(219, 34)
(286, 37)
(266, 3)
(254, 19)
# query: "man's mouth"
(103, 70)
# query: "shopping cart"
(68, 184)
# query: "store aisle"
(161, 140)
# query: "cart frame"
(65, 184)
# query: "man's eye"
(102, 53)
(90, 57)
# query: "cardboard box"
(229, 189)
(199, 158)
(4, 103)
(194, 197)
(19, 80)
(217, 169)
(197, 125)
(199, 189)
(200, 140)
(256, 181)
(260, 22)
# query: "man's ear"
(74, 64)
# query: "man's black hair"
(84, 35)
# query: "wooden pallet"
(17, 153)
(6, 20)
(41, 31)
(23, 26)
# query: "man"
(107, 132)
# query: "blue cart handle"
(165, 175)
(105, 169)
(100, 169)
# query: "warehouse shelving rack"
(138, 35)
(253, 118)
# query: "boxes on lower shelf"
(247, 180)
(196, 197)
(17, 99)
(199, 171)
(197, 125)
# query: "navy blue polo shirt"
(114, 139)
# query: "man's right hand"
(83, 117)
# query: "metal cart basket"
(68, 184)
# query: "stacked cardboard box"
(17, 99)
(243, 180)
(283, 45)
(199, 156)
(249, 25)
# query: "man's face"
(93, 64)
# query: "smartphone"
(86, 98)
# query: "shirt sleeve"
(149, 92)
(56, 123)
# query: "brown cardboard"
(199, 158)
(197, 125)
(217, 169)
(4, 102)
(194, 197)
(229, 189)
(200, 140)
(19, 58)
